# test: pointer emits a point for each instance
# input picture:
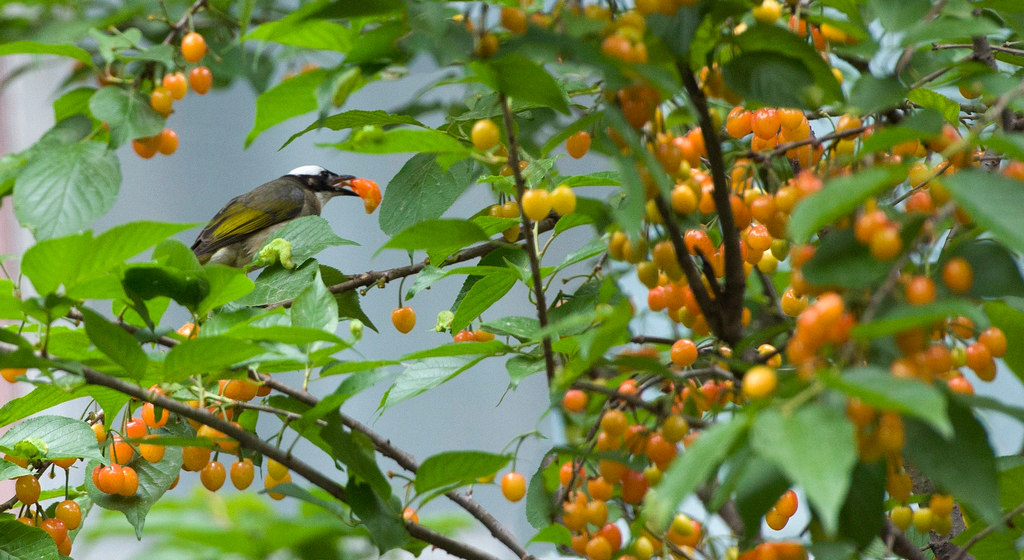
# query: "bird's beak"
(363, 188)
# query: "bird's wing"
(242, 216)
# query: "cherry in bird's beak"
(364, 189)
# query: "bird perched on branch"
(246, 222)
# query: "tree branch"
(531, 242)
(178, 27)
(252, 441)
(735, 279)
(899, 543)
(371, 278)
(407, 462)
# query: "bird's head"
(328, 184)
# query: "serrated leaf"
(22, 542)
(315, 307)
(115, 342)
(505, 74)
(35, 47)
(66, 188)
(905, 317)
(226, 285)
(480, 297)
(422, 375)
(356, 119)
(949, 109)
(815, 447)
(436, 237)
(307, 33)
(692, 469)
(127, 112)
(205, 355)
(457, 467)
(838, 198)
(993, 200)
(877, 387)
(290, 98)
(964, 464)
(64, 437)
(308, 235)
(154, 480)
(421, 191)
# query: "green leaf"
(506, 74)
(74, 102)
(276, 284)
(457, 467)
(400, 140)
(871, 93)
(815, 447)
(770, 78)
(540, 504)
(949, 109)
(112, 247)
(315, 307)
(308, 33)
(226, 285)
(489, 348)
(424, 279)
(692, 469)
(284, 334)
(382, 521)
(436, 237)
(522, 328)
(115, 342)
(964, 464)
(996, 273)
(862, 515)
(421, 191)
(356, 119)
(877, 387)
(308, 236)
(64, 437)
(206, 355)
(838, 198)
(290, 98)
(33, 47)
(841, 260)
(21, 542)
(65, 188)
(796, 58)
(905, 317)
(943, 28)
(484, 293)
(43, 397)
(677, 30)
(154, 480)
(1011, 322)
(147, 281)
(127, 112)
(53, 262)
(919, 126)
(993, 200)
(897, 16)
(348, 301)
(555, 533)
(426, 374)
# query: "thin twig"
(407, 462)
(178, 27)
(252, 441)
(988, 531)
(1007, 50)
(531, 242)
(901, 545)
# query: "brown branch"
(531, 242)
(1000, 48)
(900, 544)
(407, 462)
(708, 307)
(167, 341)
(735, 279)
(252, 441)
(812, 141)
(644, 339)
(178, 27)
(962, 553)
(371, 278)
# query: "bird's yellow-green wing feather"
(248, 214)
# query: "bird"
(246, 222)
